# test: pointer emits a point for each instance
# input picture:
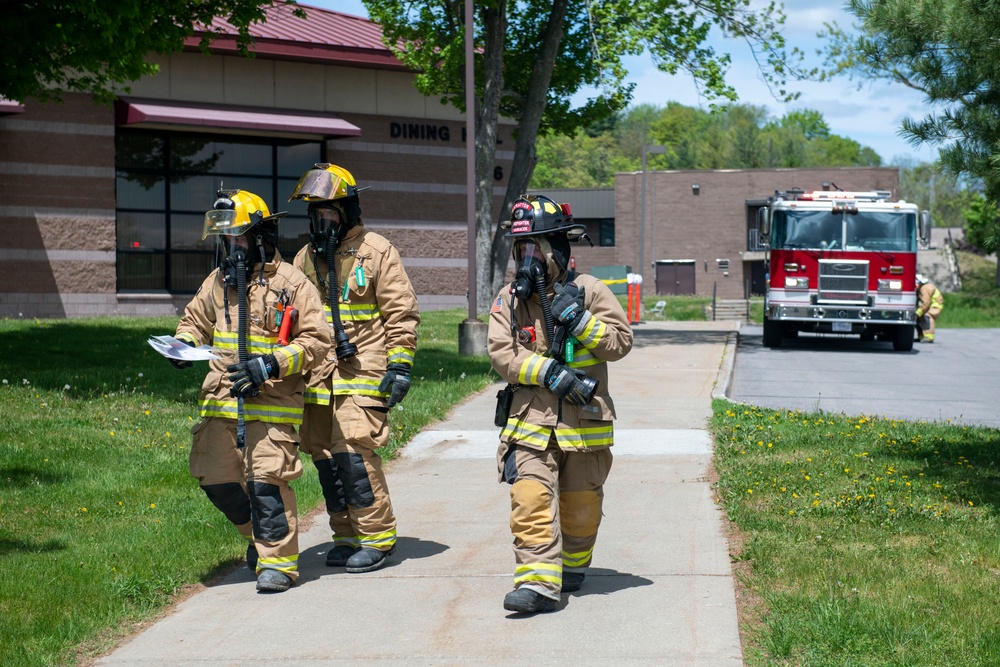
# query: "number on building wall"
(497, 173)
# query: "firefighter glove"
(570, 384)
(567, 306)
(247, 376)
(396, 382)
(181, 364)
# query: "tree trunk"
(494, 33)
(527, 132)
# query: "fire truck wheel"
(902, 339)
(772, 333)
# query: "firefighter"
(374, 322)
(930, 302)
(551, 341)
(249, 484)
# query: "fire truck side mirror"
(925, 227)
(764, 222)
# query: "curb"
(724, 381)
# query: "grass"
(864, 541)
(101, 525)
(977, 305)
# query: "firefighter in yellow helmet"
(551, 340)
(930, 302)
(372, 312)
(243, 450)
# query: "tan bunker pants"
(556, 501)
(250, 486)
(342, 439)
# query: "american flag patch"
(496, 306)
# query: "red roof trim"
(317, 53)
(139, 112)
(8, 107)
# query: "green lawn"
(862, 541)
(100, 523)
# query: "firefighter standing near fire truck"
(368, 371)
(930, 302)
(243, 451)
(551, 340)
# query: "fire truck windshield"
(892, 231)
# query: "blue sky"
(870, 115)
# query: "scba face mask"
(531, 261)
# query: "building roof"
(324, 36)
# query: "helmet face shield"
(223, 222)
(319, 184)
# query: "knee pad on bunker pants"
(332, 485)
(531, 516)
(353, 479)
(231, 500)
(268, 512)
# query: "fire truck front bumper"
(838, 313)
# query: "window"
(165, 182)
(607, 232)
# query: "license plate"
(841, 327)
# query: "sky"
(870, 115)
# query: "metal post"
(470, 153)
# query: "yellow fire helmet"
(235, 212)
(325, 182)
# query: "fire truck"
(841, 263)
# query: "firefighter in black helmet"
(551, 340)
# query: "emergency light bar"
(820, 195)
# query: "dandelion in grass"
(152, 506)
(66, 387)
(83, 509)
(5, 380)
(24, 381)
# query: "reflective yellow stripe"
(318, 396)
(186, 337)
(229, 340)
(592, 333)
(281, 564)
(295, 354)
(583, 358)
(361, 312)
(531, 368)
(378, 541)
(525, 432)
(228, 409)
(344, 386)
(400, 355)
(577, 559)
(579, 438)
(538, 572)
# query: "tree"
(518, 45)
(95, 47)
(947, 50)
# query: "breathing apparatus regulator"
(541, 231)
(334, 208)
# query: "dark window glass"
(607, 232)
(165, 183)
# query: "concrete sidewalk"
(660, 591)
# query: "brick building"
(102, 205)
(700, 231)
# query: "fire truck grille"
(843, 280)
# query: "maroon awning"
(245, 120)
(10, 106)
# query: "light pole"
(659, 150)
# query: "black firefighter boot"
(367, 559)
(272, 581)
(527, 601)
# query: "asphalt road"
(957, 378)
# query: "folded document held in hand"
(172, 348)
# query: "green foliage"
(98, 47)
(101, 524)
(734, 137)
(948, 51)
(943, 194)
(980, 223)
(869, 541)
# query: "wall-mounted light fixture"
(826, 185)
(695, 189)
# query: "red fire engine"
(841, 262)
